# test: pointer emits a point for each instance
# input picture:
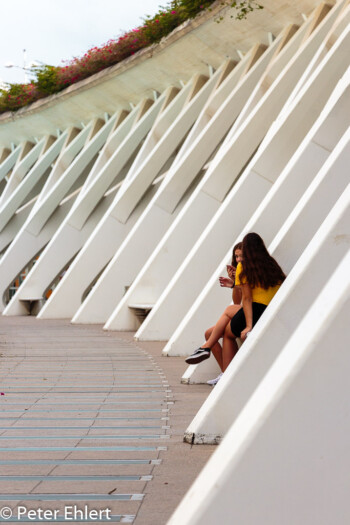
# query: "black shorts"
(238, 323)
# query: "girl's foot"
(198, 356)
(215, 381)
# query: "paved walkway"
(91, 426)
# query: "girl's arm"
(247, 309)
(237, 295)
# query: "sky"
(54, 31)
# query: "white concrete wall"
(291, 303)
(283, 459)
(176, 184)
(42, 221)
(271, 213)
(220, 112)
(153, 199)
(128, 202)
(253, 185)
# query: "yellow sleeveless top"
(259, 295)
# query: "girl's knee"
(228, 311)
(208, 333)
(228, 332)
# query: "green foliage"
(242, 8)
(17, 96)
(48, 80)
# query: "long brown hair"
(238, 246)
(259, 268)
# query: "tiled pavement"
(90, 426)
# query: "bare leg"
(219, 328)
(229, 347)
(216, 349)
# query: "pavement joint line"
(120, 385)
(78, 478)
(135, 427)
(71, 497)
(114, 392)
(63, 403)
(116, 368)
(88, 436)
(121, 409)
(81, 410)
(90, 393)
(81, 462)
(85, 418)
(153, 402)
(82, 449)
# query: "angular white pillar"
(43, 220)
(80, 275)
(283, 315)
(25, 182)
(271, 214)
(284, 460)
(255, 181)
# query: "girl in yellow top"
(259, 277)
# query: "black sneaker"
(198, 356)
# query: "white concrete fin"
(113, 169)
(96, 135)
(127, 264)
(204, 144)
(55, 258)
(285, 430)
(14, 225)
(228, 76)
(9, 162)
(23, 167)
(287, 309)
(132, 191)
(159, 268)
(24, 248)
(157, 224)
(254, 181)
(90, 262)
(26, 185)
(68, 155)
(142, 109)
(341, 16)
(292, 238)
(119, 130)
(318, 198)
(5, 152)
(172, 104)
(73, 144)
(284, 46)
(265, 217)
(107, 133)
(65, 243)
(318, 15)
(26, 146)
(163, 262)
(232, 158)
(279, 322)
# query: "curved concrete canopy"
(189, 49)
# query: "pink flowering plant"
(48, 80)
